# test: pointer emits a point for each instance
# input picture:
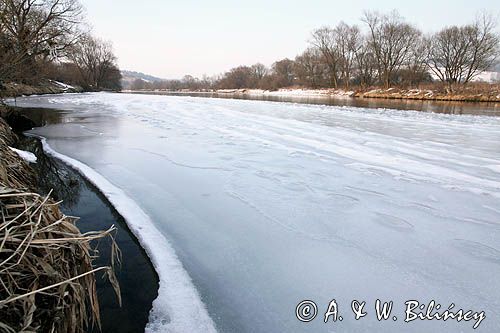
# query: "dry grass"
(47, 277)
(471, 92)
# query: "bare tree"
(324, 39)
(259, 71)
(365, 63)
(283, 73)
(391, 40)
(96, 62)
(237, 78)
(459, 54)
(309, 68)
(348, 40)
(206, 82)
(33, 30)
(190, 82)
(415, 70)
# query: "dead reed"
(47, 276)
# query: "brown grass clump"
(437, 91)
(47, 278)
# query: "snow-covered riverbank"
(267, 204)
(292, 92)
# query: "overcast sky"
(172, 38)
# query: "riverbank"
(137, 277)
(62, 251)
(77, 197)
(44, 87)
(178, 306)
(46, 264)
(472, 93)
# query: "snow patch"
(25, 155)
(64, 85)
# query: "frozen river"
(266, 204)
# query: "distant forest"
(385, 50)
(49, 39)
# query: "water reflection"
(138, 279)
(63, 184)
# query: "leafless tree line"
(48, 39)
(459, 54)
(385, 50)
(394, 52)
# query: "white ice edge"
(178, 307)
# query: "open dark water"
(137, 277)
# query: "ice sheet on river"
(267, 204)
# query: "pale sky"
(171, 38)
